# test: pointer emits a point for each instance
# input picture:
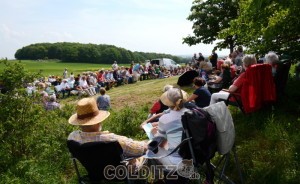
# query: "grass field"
(57, 67)
(267, 141)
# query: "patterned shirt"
(52, 106)
(129, 146)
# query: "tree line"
(88, 53)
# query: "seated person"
(201, 95)
(248, 60)
(103, 101)
(51, 104)
(221, 80)
(86, 88)
(272, 59)
(170, 125)
(65, 88)
(89, 119)
(30, 89)
(158, 106)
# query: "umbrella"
(187, 78)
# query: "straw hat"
(88, 113)
(174, 97)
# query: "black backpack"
(203, 132)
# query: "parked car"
(165, 62)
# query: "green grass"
(52, 67)
(267, 141)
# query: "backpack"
(203, 132)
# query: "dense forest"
(89, 53)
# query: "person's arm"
(151, 119)
(131, 147)
(217, 80)
(232, 89)
(192, 97)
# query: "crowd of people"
(165, 114)
(92, 83)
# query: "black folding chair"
(281, 77)
(203, 151)
(95, 156)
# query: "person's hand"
(144, 123)
(154, 130)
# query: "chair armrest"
(231, 93)
(226, 90)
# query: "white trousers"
(220, 95)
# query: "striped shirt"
(170, 127)
(129, 146)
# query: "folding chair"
(203, 152)
(281, 76)
(257, 91)
(95, 156)
(225, 137)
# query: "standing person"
(90, 119)
(193, 60)
(201, 95)
(136, 72)
(65, 74)
(103, 101)
(201, 57)
(214, 58)
(114, 66)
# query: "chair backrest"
(281, 77)
(95, 156)
(258, 88)
(198, 125)
(226, 78)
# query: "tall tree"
(209, 18)
(268, 25)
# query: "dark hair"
(198, 81)
(102, 91)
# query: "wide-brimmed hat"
(173, 97)
(88, 113)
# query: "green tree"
(268, 25)
(110, 55)
(209, 19)
(14, 76)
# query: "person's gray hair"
(167, 87)
(52, 98)
(177, 97)
(271, 58)
(249, 60)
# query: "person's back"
(89, 118)
(52, 104)
(204, 96)
(103, 101)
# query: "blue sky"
(136, 25)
